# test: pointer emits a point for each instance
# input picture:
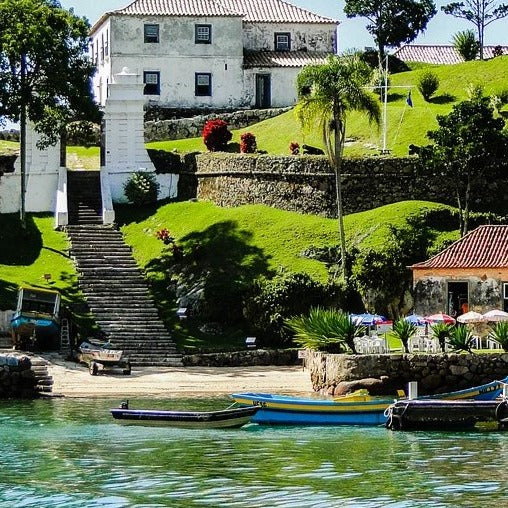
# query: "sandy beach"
(73, 380)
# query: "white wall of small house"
(282, 81)
(304, 36)
(100, 53)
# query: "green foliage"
(466, 45)
(83, 133)
(325, 330)
(466, 143)
(428, 83)
(403, 330)
(392, 22)
(500, 334)
(142, 188)
(328, 93)
(44, 65)
(272, 300)
(442, 332)
(461, 339)
(480, 13)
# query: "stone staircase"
(118, 296)
(43, 381)
(84, 201)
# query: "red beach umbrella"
(440, 318)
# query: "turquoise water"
(70, 453)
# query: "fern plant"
(466, 45)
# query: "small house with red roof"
(471, 274)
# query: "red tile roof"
(283, 58)
(269, 11)
(485, 247)
(437, 54)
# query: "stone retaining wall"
(180, 128)
(243, 358)
(17, 379)
(306, 183)
(384, 374)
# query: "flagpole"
(385, 108)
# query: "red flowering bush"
(248, 143)
(294, 148)
(216, 135)
(165, 236)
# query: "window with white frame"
(151, 79)
(203, 84)
(203, 34)
(282, 41)
(151, 33)
(106, 44)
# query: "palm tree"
(328, 92)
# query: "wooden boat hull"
(285, 410)
(226, 418)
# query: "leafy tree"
(44, 70)
(392, 22)
(479, 12)
(328, 93)
(466, 45)
(466, 144)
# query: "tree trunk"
(22, 139)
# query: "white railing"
(61, 210)
(108, 213)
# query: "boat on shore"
(37, 316)
(358, 408)
(225, 418)
(97, 357)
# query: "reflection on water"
(71, 453)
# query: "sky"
(352, 32)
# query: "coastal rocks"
(17, 379)
(385, 374)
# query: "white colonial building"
(211, 53)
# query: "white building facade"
(222, 54)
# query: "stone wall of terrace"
(385, 374)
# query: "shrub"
(271, 301)
(461, 339)
(404, 330)
(248, 143)
(428, 83)
(442, 332)
(497, 51)
(466, 45)
(216, 135)
(326, 330)
(83, 134)
(294, 148)
(142, 188)
(379, 83)
(500, 334)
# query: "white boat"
(97, 357)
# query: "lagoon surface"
(71, 453)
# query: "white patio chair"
(493, 343)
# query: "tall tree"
(44, 71)
(479, 12)
(469, 143)
(392, 22)
(328, 93)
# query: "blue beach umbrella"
(367, 319)
(416, 320)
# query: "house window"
(203, 34)
(102, 47)
(282, 41)
(106, 44)
(151, 79)
(203, 84)
(151, 33)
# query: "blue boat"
(358, 408)
(37, 315)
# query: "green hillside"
(405, 125)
